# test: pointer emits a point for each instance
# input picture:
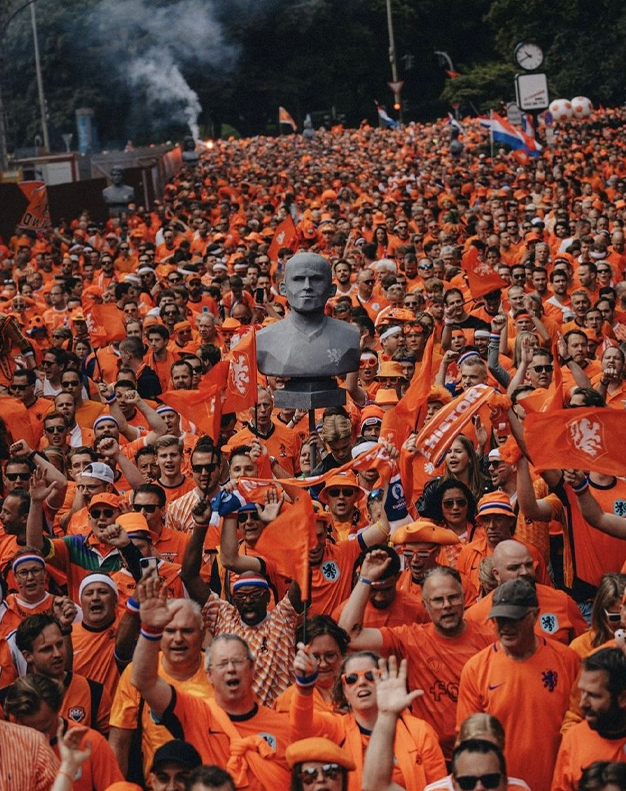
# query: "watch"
(528, 56)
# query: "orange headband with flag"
(445, 425)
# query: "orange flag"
(577, 439)
(284, 236)
(241, 386)
(15, 416)
(481, 277)
(105, 323)
(445, 425)
(547, 400)
(204, 406)
(288, 539)
(36, 217)
(285, 118)
(409, 406)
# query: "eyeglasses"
(71, 383)
(369, 362)
(413, 327)
(236, 663)
(612, 617)
(18, 476)
(149, 508)
(440, 601)
(255, 595)
(540, 369)
(242, 518)
(339, 490)
(421, 553)
(96, 513)
(55, 429)
(200, 468)
(469, 782)
(460, 501)
(24, 574)
(46, 363)
(350, 679)
(329, 772)
(19, 388)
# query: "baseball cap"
(99, 471)
(177, 752)
(105, 498)
(513, 599)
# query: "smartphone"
(147, 564)
(259, 296)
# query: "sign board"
(531, 91)
(513, 114)
(548, 120)
(396, 86)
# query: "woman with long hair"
(418, 756)
(605, 615)
(453, 506)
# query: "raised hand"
(391, 690)
(39, 490)
(152, 597)
(20, 448)
(115, 535)
(64, 610)
(498, 323)
(72, 757)
(304, 664)
(201, 512)
(410, 446)
(272, 507)
(375, 564)
(573, 477)
(109, 447)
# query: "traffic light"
(396, 106)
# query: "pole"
(4, 157)
(392, 57)
(491, 134)
(42, 101)
(312, 431)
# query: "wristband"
(132, 605)
(306, 681)
(111, 399)
(32, 454)
(582, 486)
(449, 322)
(365, 581)
(153, 636)
(66, 632)
(494, 336)
(378, 524)
(566, 360)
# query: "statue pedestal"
(312, 393)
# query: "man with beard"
(523, 680)
(388, 605)
(602, 735)
(559, 616)
(437, 651)
(270, 635)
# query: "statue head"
(117, 176)
(308, 283)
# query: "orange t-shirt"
(529, 698)
(282, 442)
(173, 492)
(404, 609)
(331, 580)
(435, 665)
(580, 747)
(101, 769)
(94, 654)
(80, 694)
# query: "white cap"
(99, 471)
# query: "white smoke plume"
(150, 43)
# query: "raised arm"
(351, 619)
(531, 508)
(392, 699)
(109, 448)
(198, 589)
(590, 508)
(158, 427)
(52, 475)
(39, 490)
(155, 616)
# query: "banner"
(590, 439)
(105, 323)
(445, 425)
(36, 217)
(285, 235)
(481, 277)
(241, 385)
(203, 406)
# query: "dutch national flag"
(389, 122)
(504, 132)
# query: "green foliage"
(481, 88)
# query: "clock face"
(528, 56)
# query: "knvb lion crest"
(239, 374)
(587, 436)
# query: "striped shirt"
(26, 761)
(272, 642)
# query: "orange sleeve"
(104, 767)
(562, 779)
(305, 721)
(470, 699)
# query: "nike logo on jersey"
(495, 686)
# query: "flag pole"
(491, 134)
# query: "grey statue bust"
(308, 344)
(118, 195)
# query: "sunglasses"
(369, 362)
(46, 363)
(413, 327)
(612, 617)
(18, 476)
(469, 782)
(350, 679)
(255, 595)
(421, 553)
(72, 383)
(96, 513)
(540, 369)
(242, 518)
(19, 388)
(337, 491)
(148, 508)
(460, 501)
(54, 429)
(329, 772)
(200, 468)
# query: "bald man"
(559, 617)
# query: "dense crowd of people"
(462, 624)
